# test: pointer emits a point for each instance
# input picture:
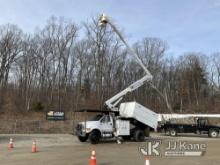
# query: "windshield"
(95, 118)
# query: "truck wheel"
(213, 133)
(94, 137)
(139, 135)
(82, 138)
(172, 132)
(147, 132)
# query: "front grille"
(78, 129)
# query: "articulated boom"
(112, 102)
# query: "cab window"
(105, 119)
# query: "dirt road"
(62, 149)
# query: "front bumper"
(80, 130)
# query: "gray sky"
(186, 25)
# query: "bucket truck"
(130, 120)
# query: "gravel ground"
(64, 149)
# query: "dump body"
(139, 113)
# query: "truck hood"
(90, 124)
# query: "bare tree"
(10, 49)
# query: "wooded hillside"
(67, 66)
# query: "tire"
(94, 137)
(147, 132)
(139, 135)
(82, 138)
(213, 133)
(172, 132)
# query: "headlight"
(88, 129)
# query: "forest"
(66, 66)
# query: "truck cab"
(203, 127)
(99, 126)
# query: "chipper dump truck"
(131, 123)
(130, 120)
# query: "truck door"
(181, 128)
(202, 125)
(106, 125)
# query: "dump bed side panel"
(139, 112)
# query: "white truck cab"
(101, 125)
(104, 123)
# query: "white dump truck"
(132, 122)
(129, 120)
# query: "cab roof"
(96, 111)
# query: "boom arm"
(112, 102)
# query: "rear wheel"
(82, 138)
(94, 137)
(147, 132)
(139, 135)
(213, 133)
(172, 132)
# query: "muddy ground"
(65, 149)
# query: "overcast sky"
(186, 25)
